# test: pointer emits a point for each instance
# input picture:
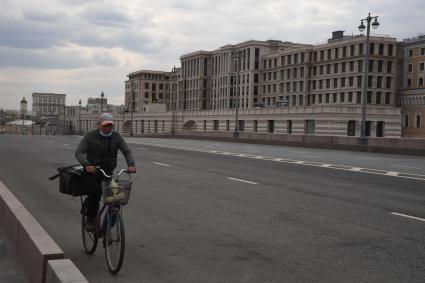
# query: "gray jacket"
(97, 150)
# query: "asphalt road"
(222, 212)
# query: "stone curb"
(30, 241)
(63, 270)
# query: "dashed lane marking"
(408, 216)
(387, 173)
(243, 181)
(162, 164)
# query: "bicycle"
(108, 222)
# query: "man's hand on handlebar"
(90, 169)
(131, 169)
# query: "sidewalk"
(10, 269)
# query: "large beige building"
(48, 104)
(145, 91)
(412, 98)
(210, 77)
(320, 86)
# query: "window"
(270, 126)
(216, 125)
(410, 52)
(371, 48)
(390, 50)
(388, 98)
(381, 49)
(389, 66)
(409, 82)
(420, 81)
(379, 82)
(342, 97)
(310, 127)
(418, 121)
(421, 66)
(361, 51)
(380, 65)
(380, 128)
(405, 120)
(351, 128)
(370, 65)
(388, 83)
(378, 97)
(410, 68)
(422, 51)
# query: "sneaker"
(90, 226)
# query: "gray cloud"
(106, 16)
(53, 59)
(111, 35)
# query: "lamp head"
(361, 27)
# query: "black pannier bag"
(70, 180)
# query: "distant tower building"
(24, 107)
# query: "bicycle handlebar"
(110, 176)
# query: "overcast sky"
(84, 47)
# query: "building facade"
(48, 104)
(145, 91)
(412, 96)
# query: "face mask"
(104, 134)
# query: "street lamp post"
(131, 108)
(236, 104)
(79, 117)
(101, 102)
(375, 24)
(173, 94)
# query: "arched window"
(405, 120)
(417, 120)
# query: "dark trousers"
(92, 184)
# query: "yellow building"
(412, 98)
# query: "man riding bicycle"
(99, 147)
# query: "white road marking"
(312, 163)
(408, 216)
(367, 158)
(243, 181)
(141, 148)
(162, 164)
(409, 167)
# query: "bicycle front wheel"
(89, 238)
(114, 241)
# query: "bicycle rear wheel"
(114, 242)
(90, 239)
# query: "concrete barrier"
(381, 145)
(63, 270)
(30, 241)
